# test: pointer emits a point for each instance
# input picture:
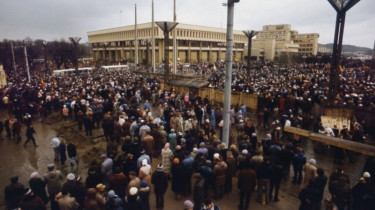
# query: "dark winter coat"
(38, 186)
(32, 202)
(246, 180)
(13, 194)
(178, 178)
(160, 181)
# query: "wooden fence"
(216, 96)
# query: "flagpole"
(136, 37)
(14, 60)
(174, 39)
(153, 39)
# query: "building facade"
(197, 44)
(194, 44)
(275, 40)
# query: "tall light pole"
(75, 41)
(153, 39)
(341, 7)
(228, 72)
(44, 43)
(166, 27)
(249, 35)
(174, 39)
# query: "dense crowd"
(141, 123)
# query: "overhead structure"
(75, 41)
(166, 27)
(249, 35)
(341, 7)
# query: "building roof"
(188, 83)
(148, 25)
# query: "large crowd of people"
(143, 123)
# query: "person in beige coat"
(310, 171)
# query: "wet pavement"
(17, 160)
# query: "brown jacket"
(246, 180)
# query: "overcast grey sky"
(56, 19)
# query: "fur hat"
(34, 175)
(312, 161)
(70, 176)
(100, 187)
(244, 152)
(188, 204)
(133, 191)
(366, 175)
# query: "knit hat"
(133, 191)
(50, 166)
(70, 176)
(244, 152)
(312, 161)
(100, 187)
(176, 161)
(188, 204)
(111, 194)
(366, 175)
(143, 183)
(34, 175)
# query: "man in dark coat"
(31, 202)
(276, 177)
(160, 181)
(320, 183)
(341, 193)
(29, 134)
(263, 173)
(309, 197)
(298, 161)
(14, 193)
(246, 184)
(198, 195)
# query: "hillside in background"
(351, 48)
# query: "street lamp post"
(44, 43)
(249, 35)
(75, 41)
(341, 7)
(166, 27)
(228, 72)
